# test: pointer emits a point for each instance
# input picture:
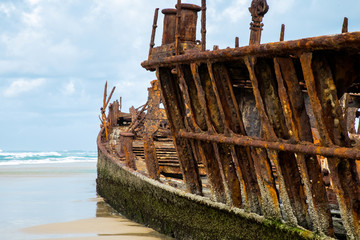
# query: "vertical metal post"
(203, 25)
(152, 41)
(151, 160)
(127, 141)
(120, 103)
(345, 25)
(282, 33)
(177, 31)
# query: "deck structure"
(244, 111)
(265, 136)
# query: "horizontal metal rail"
(349, 41)
(308, 148)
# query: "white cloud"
(236, 10)
(69, 88)
(32, 19)
(21, 86)
(7, 9)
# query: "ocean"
(18, 158)
(52, 195)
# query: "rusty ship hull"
(264, 134)
(177, 213)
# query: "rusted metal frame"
(264, 73)
(173, 105)
(216, 92)
(105, 95)
(265, 192)
(267, 128)
(235, 104)
(269, 196)
(222, 152)
(303, 148)
(306, 59)
(285, 102)
(151, 161)
(187, 100)
(227, 131)
(202, 150)
(222, 167)
(344, 102)
(299, 125)
(270, 135)
(152, 40)
(177, 30)
(151, 125)
(344, 176)
(206, 153)
(336, 124)
(127, 141)
(202, 101)
(108, 100)
(246, 204)
(347, 41)
(103, 119)
(105, 125)
(136, 123)
(301, 128)
(203, 25)
(201, 95)
(221, 85)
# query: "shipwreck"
(253, 142)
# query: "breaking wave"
(30, 158)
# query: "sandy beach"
(108, 225)
(59, 201)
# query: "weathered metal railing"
(245, 111)
(304, 148)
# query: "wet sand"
(108, 225)
(60, 202)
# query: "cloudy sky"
(55, 56)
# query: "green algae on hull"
(180, 214)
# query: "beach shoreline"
(59, 201)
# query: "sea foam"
(31, 158)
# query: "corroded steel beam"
(174, 107)
(231, 117)
(306, 148)
(345, 178)
(127, 145)
(194, 119)
(151, 160)
(298, 123)
(346, 41)
(214, 123)
(268, 104)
